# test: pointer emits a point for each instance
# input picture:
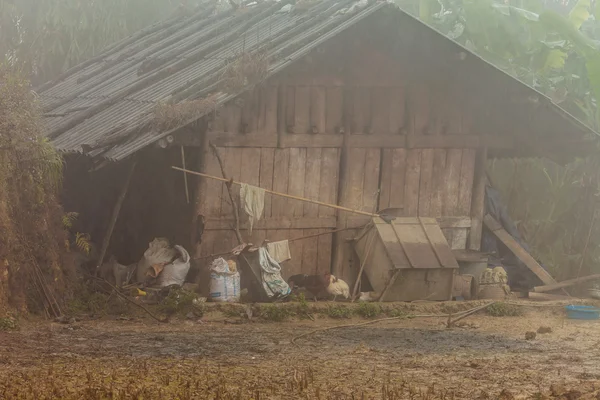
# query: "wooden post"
(185, 180)
(339, 238)
(200, 195)
(115, 215)
(478, 201)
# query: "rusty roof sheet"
(103, 106)
(115, 93)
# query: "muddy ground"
(487, 357)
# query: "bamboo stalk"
(289, 196)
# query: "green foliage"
(368, 310)
(275, 313)
(339, 311)
(178, 301)
(8, 324)
(46, 37)
(504, 310)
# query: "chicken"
(315, 284)
(337, 287)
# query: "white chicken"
(337, 287)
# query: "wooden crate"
(415, 249)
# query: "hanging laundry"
(272, 281)
(280, 251)
(253, 202)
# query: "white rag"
(280, 251)
(253, 201)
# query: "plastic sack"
(159, 252)
(224, 284)
(175, 272)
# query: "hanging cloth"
(253, 202)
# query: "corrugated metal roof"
(111, 97)
(105, 104)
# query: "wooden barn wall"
(289, 135)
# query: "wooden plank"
(452, 181)
(276, 223)
(312, 181)
(380, 113)
(302, 112)
(310, 248)
(290, 110)
(371, 180)
(281, 112)
(309, 140)
(478, 201)
(250, 166)
(318, 117)
(353, 196)
(467, 172)
(398, 179)
(234, 118)
(411, 187)
(296, 250)
(297, 177)
(416, 245)
(334, 109)
(226, 139)
(438, 184)
(261, 109)
(397, 123)
(440, 245)
(470, 256)
(567, 283)
(213, 194)
(271, 110)
(361, 110)
(459, 239)
(517, 250)
(386, 178)
(267, 156)
(393, 246)
(280, 181)
(426, 182)
(250, 112)
(324, 253)
(328, 184)
(454, 222)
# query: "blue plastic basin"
(583, 312)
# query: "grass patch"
(504, 310)
(368, 310)
(8, 324)
(274, 313)
(338, 312)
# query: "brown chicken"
(314, 284)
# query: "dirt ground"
(486, 357)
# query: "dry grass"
(246, 69)
(169, 116)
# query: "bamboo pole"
(185, 180)
(289, 196)
(567, 283)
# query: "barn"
(356, 104)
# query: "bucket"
(583, 312)
(492, 292)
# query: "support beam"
(115, 214)
(478, 201)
